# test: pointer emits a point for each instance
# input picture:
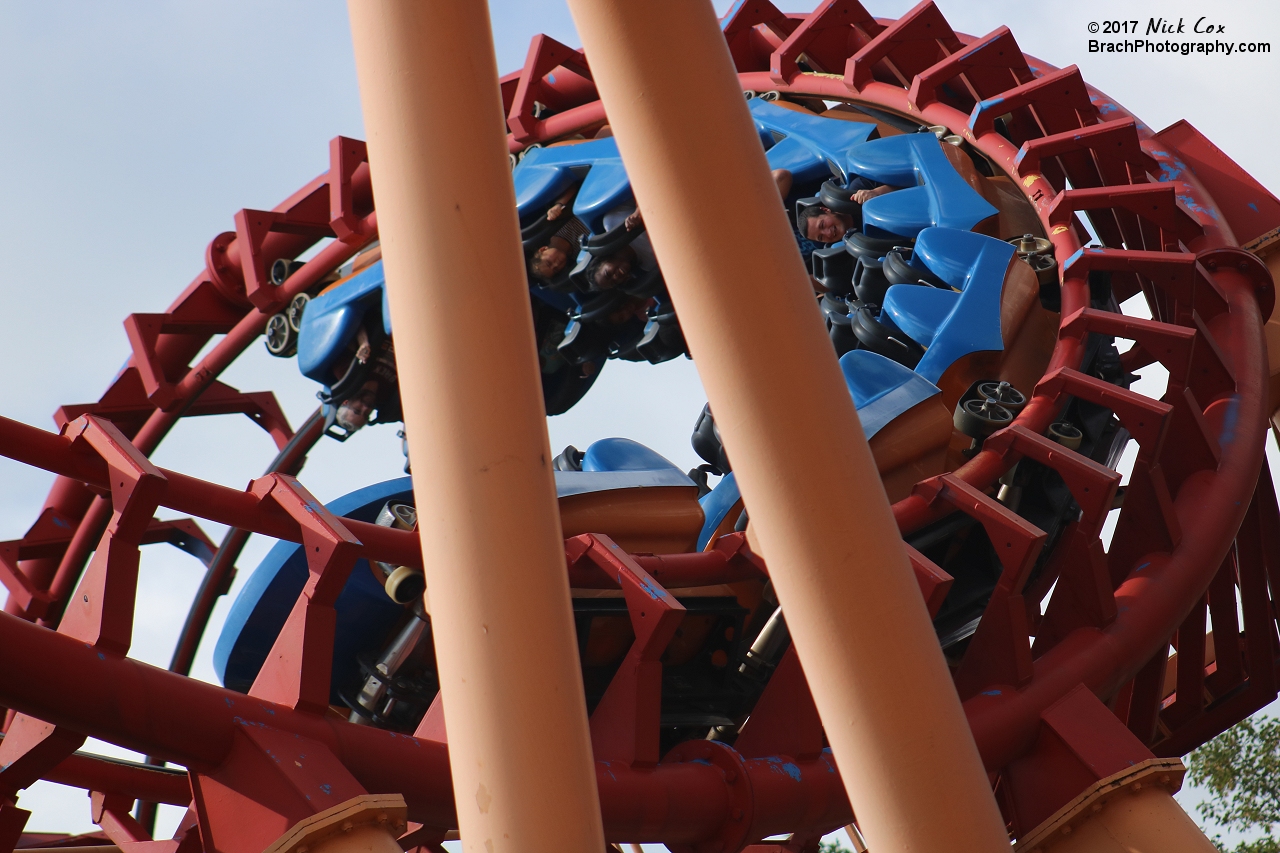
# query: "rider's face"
(612, 272)
(358, 408)
(548, 261)
(826, 227)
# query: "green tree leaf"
(1240, 770)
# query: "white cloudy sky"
(133, 132)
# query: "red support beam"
(784, 720)
(1083, 595)
(193, 724)
(538, 86)
(1000, 650)
(625, 723)
(754, 30)
(914, 43)
(1060, 100)
(990, 65)
(298, 668)
(1157, 203)
(1112, 142)
(113, 776)
(834, 31)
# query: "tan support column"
(523, 773)
(1131, 812)
(893, 719)
(366, 824)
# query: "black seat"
(860, 245)
(898, 270)
(707, 443)
(869, 282)
(583, 342)
(663, 339)
(803, 204)
(833, 268)
(601, 246)
(838, 199)
(835, 310)
(537, 234)
(883, 338)
(645, 285)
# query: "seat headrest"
(803, 204)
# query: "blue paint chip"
(733, 10)
(652, 590)
(1229, 421)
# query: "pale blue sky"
(133, 132)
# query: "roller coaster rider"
(368, 383)
(821, 224)
(548, 261)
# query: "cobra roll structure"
(885, 602)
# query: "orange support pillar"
(817, 506)
(1132, 811)
(514, 710)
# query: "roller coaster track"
(1199, 520)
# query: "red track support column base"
(368, 823)
(271, 781)
(1080, 742)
